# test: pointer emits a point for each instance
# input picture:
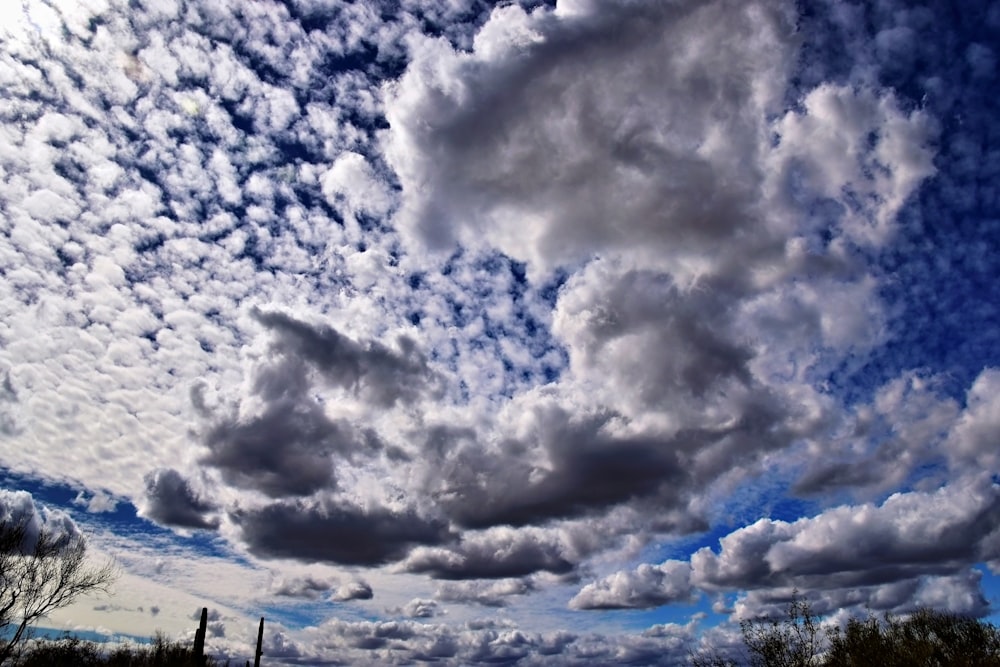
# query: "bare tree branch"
(36, 579)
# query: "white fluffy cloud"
(646, 586)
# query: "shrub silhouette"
(72, 651)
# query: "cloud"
(98, 503)
(171, 500)
(529, 126)
(18, 508)
(301, 587)
(646, 586)
(958, 593)
(334, 533)
(684, 263)
(910, 533)
(399, 642)
(353, 590)
(495, 554)
(418, 608)
(903, 429)
(913, 542)
(352, 178)
(585, 472)
(8, 418)
(974, 438)
(381, 374)
(485, 593)
(289, 447)
(286, 451)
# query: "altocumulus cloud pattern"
(535, 333)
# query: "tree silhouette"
(926, 638)
(39, 574)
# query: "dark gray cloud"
(171, 500)
(958, 593)
(587, 472)
(382, 375)
(335, 533)
(291, 447)
(494, 555)
(286, 451)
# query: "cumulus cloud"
(495, 554)
(529, 126)
(353, 590)
(99, 502)
(485, 593)
(171, 500)
(286, 451)
(402, 641)
(288, 448)
(380, 373)
(904, 428)
(585, 471)
(914, 546)
(334, 533)
(18, 508)
(646, 586)
(418, 608)
(974, 438)
(958, 593)
(306, 587)
(352, 178)
(908, 534)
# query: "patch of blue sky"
(637, 620)
(990, 585)
(488, 297)
(108, 641)
(122, 520)
(298, 613)
(937, 273)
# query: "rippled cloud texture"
(442, 331)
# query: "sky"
(459, 332)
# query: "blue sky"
(539, 333)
